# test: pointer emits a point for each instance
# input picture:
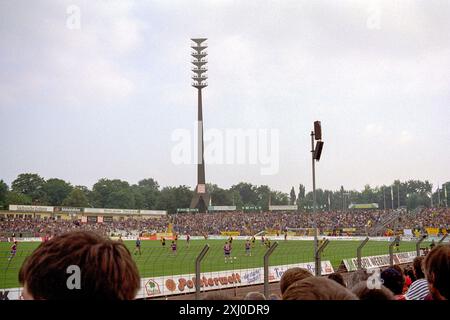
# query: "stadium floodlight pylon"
(201, 197)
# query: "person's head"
(393, 280)
(292, 275)
(105, 268)
(417, 267)
(364, 293)
(254, 296)
(437, 271)
(338, 278)
(398, 268)
(316, 288)
(409, 272)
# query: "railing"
(201, 267)
(384, 222)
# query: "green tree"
(219, 196)
(139, 200)
(247, 193)
(121, 199)
(149, 189)
(56, 190)
(17, 198)
(264, 194)
(85, 190)
(293, 197)
(102, 190)
(76, 198)
(301, 192)
(172, 198)
(368, 195)
(149, 183)
(446, 193)
(30, 184)
(279, 198)
(3, 193)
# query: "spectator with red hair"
(106, 269)
(437, 271)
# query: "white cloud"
(84, 66)
(405, 137)
(374, 130)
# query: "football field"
(156, 260)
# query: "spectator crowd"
(248, 223)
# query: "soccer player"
(230, 240)
(253, 241)
(248, 248)
(176, 236)
(138, 246)
(188, 239)
(163, 242)
(227, 252)
(263, 241)
(267, 243)
(120, 238)
(397, 246)
(13, 251)
(173, 246)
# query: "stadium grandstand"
(41, 220)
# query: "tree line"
(30, 188)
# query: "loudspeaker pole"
(316, 151)
(313, 171)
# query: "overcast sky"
(105, 99)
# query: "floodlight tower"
(201, 197)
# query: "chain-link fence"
(171, 271)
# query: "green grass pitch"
(157, 261)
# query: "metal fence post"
(318, 264)
(358, 252)
(391, 250)
(197, 270)
(266, 269)
(443, 238)
(418, 245)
